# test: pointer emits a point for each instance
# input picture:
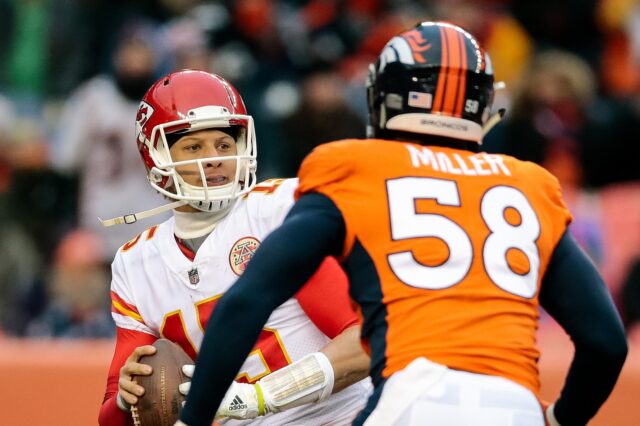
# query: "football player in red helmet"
(186, 103)
(198, 146)
(449, 252)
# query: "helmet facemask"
(166, 179)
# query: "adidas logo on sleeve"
(237, 404)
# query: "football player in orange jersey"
(449, 252)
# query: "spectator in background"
(549, 107)
(620, 25)
(94, 139)
(77, 287)
(20, 263)
(322, 116)
(547, 126)
(570, 25)
(7, 118)
(186, 46)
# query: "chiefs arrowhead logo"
(145, 111)
(241, 253)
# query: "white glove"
(240, 402)
(307, 380)
(184, 387)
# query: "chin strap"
(133, 218)
(493, 120)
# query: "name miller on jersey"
(481, 164)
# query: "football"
(162, 401)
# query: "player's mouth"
(217, 180)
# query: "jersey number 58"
(406, 223)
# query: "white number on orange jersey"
(406, 223)
(505, 236)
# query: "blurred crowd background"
(73, 71)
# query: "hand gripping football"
(162, 401)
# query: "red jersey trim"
(119, 306)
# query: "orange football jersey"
(459, 242)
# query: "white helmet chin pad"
(209, 199)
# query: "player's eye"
(223, 146)
(193, 147)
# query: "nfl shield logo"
(194, 278)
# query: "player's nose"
(209, 151)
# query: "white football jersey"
(156, 289)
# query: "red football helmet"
(187, 101)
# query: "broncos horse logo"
(418, 45)
(408, 49)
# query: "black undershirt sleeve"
(575, 295)
(313, 229)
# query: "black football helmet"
(434, 79)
